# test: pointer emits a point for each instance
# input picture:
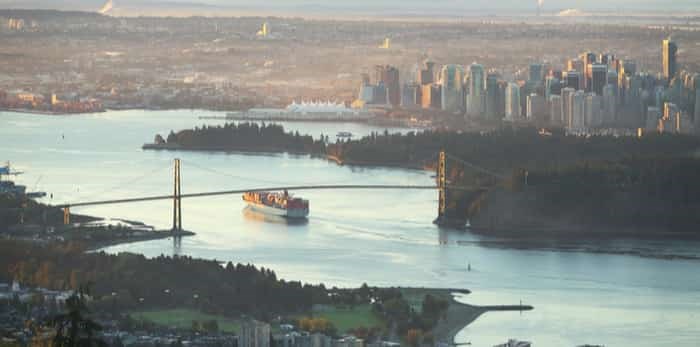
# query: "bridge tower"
(177, 198)
(442, 185)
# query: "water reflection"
(256, 216)
(177, 245)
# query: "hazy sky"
(400, 5)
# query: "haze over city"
(301, 173)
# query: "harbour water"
(379, 237)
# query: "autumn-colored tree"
(316, 325)
(414, 337)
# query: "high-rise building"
(594, 108)
(659, 96)
(577, 102)
(389, 76)
(501, 107)
(426, 75)
(627, 68)
(536, 72)
(475, 98)
(321, 340)
(674, 92)
(670, 67)
(696, 118)
(525, 90)
(512, 102)
(451, 77)
(670, 122)
(606, 58)
(379, 96)
(654, 115)
(431, 95)
(436, 96)
(254, 334)
(695, 83)
(551, 87)
(588, 58)
(493, 99)
(425, 95)
(612, 77)
(575, 65)
(573, 79)
(566, 116)
(536, 108)
(632, 107)
(558, 74)
(555, 109)
(411, 95)
(609, 104)
(599, 78)
(366, 93)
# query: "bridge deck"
(241, 191)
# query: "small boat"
(277, 204)
(345, 134)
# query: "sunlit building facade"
(512, 102)
(669, 51)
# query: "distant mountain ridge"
(359, 6)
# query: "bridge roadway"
(241, 191)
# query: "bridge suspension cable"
(248, 178)
(131, 181)
(226, 174)
(476, 167)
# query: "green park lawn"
(342, 318)
(346, 318)
(182, 318)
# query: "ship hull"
(292, 213)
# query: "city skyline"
(349, 174)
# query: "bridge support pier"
(177, 198)
(66, 215)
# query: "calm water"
(378, 237)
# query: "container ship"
(278, 204)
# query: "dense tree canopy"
(135, 281)
(245, 136)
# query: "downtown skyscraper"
(670, 65)
(475, 98)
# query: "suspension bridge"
(442, 186)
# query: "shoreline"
(155, 235)
(460, 315)
(177, 147)
(329, 157)
(48, 113)
(342, 162)
(601, 232)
